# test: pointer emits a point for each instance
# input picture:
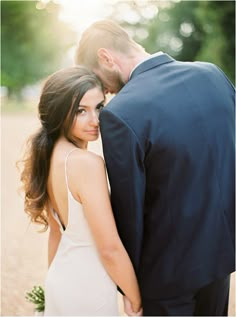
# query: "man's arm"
(124, 160)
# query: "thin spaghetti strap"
(66, 165)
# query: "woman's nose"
(95, 118)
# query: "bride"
(66, 190)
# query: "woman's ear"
(105, 58)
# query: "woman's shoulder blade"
(85, 160)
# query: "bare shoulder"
(86, 157)
(84, 160)
(84, 169)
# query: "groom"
(168, 138)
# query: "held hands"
(131, 309)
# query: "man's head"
(108, 50)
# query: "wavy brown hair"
(59, 100)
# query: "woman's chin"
(92, 138)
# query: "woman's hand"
(132, 309)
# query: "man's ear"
(105, 58)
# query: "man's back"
(176, 178)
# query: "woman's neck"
(76, 142)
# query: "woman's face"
(85, 127)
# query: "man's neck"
(142, 59)
(132, 61)
(127, 63)
(139, 58)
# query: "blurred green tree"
(218, 45)
(33, 42)
(187, 30)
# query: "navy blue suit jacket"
(168, 140)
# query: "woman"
(66, 189)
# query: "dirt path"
(24, 251)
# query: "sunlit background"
(80, 14)
(38, 38)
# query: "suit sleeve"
(124, 161)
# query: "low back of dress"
(77, 283)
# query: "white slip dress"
(77, 284)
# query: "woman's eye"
(100, 107)
(80, 111)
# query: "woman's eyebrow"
(83, 106)
(86, 106)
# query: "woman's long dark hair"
(57, 107)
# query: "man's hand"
(129, 309)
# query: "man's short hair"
(102, 34)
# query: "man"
(168, 138)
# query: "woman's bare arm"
(89, 178)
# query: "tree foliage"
(187, 30)
(218, 45)
(33, 42)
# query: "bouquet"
(36, 296)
